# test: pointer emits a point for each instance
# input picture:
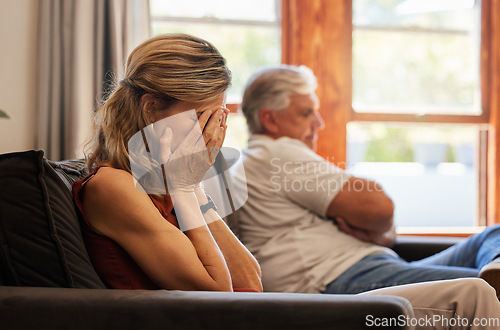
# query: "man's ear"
(267, 118)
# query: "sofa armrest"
(413, 248)
(61, 308)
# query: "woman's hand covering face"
(184, 144)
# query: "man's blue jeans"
(462, 260)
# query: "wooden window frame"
(318, 33)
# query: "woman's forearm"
(244, 268)
(191, 221)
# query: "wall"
(18, 20)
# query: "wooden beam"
(491, 95)
(318, 33)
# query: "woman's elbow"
(257, 283)
(253, 280)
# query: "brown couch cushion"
(41, 242)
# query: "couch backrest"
(228, 194)
(40, 237)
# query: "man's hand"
(383, 239)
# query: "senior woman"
(144, 237)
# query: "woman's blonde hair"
(171, 67)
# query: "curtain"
(82, 47)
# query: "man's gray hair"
(271, 88)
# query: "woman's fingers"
(226, 114)
(214, 131)
(215, 120)
(213, 128)
(194, 141)
(211, 137)
(223, 124)
(205, 117)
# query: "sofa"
(47, 280)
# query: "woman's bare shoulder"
(109, 180)
(113, 187)
(114, 202)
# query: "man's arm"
(384, 239)
(363, 205)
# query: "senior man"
(313, 227)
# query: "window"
(430, 172)
(319, 34)
(416, 56)
(419, 62)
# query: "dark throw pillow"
(40, 237)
